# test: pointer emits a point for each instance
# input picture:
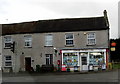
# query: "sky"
(16, 11)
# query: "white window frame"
(7, 60)
(48, 56)
(90, 37)
(49, 42)
(69, 39)
(28, 39)
(7, 41)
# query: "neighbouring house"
(76, 43)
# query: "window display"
(70, 59)
(96, 58)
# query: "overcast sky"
(15, 11)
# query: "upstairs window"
(7, 41)
(69, 39)
(91, 39)
(49, 40)
(28, 41)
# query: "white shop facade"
(84, 59)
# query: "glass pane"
(7, 39)
(91, 35)
(8, 63)
(8, 45)
(28, 44)
(84, 60)
(48, 40)
(69, 36)
(51, 59)
(8, 57)
(91, 41)
(47, 61)
(69, 42)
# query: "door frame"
(80, 58)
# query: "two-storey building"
(65, 43)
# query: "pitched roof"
(56, 25)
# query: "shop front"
(83, 60)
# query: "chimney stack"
(106, 17)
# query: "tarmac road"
(110, 76)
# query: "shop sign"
(112, 49)
(113, 44)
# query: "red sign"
(63, 67)
(113, 44)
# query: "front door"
(49, 59)
(27, 63)
(84, 65)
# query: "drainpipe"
(107, 25)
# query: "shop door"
(84, 65)
(28, 63)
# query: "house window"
(7, 41)
(28, 41)
(8, 61)
(69, 39)
(91, 39)
(49, 40)
(49, 59)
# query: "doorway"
(49, 59)
(28, 63)
(84, 64)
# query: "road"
(111, 76)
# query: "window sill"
(7, 48)
(91, 45)
(7, 66)
(69, 45)
(27, 47)
(48, 46)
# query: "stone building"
(65, 43)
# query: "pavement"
(100, 76)
(51, 73)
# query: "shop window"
(49, 40)
(96, 58)
(70, 59)
(91, 39)
(8, 61)
(28, 41)
(69, 39)
(49, 59)
(7, 41)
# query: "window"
(96, 58)
(28, 41)
(49, 59)
(49, 40)
(91, 40)
(7, 41)
(69, 39)
(8, 61)
(70, 59)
